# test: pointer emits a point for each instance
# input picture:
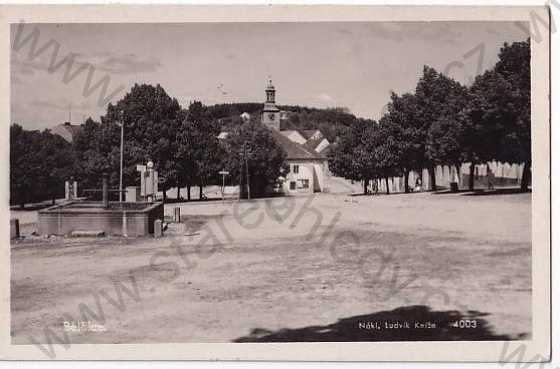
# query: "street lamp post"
(122, 149)
(151, 176)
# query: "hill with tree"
(332, 122)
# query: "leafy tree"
(497, 121)
(24, 165)
(199, 152)
(95, 148)
(359, 154)
(500, 109)
(57, 162)
(343, 161)
(514, 66)
(265, 160)
(151, 120)
(403, 135)
(483, 127)
(186, 159)
(435, 94)
(447, 138)
(40, 162)
(388, 152)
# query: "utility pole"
(122, 149)
(243, 154)
(240, 177)
(247, 170)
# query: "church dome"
(270, 86)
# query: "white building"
(306, 151)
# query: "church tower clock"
(271, 114)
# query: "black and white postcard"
(275, 183)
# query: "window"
(295, 169)
(292, 185)
(304, 183)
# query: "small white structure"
(70, 190)
(148, 181)
(132, 194)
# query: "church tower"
(271, 114)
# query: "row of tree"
(183, 144)
(38, 161)
(442, 122)
(445, 123)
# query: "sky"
(325, 64)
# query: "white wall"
(315, 171)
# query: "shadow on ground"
(484, 192)
(32, 207)
(356, 328)
(498, 191)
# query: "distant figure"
(490, 177)
(71, 189)
(374, 187)
(418, 185)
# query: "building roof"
(295, 150)
(66, 130)
(294, 135)
(313, 143)
(309, 133)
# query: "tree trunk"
(53, 200)
(387, 184)
(188, 192)
(200, 191)
(471, 176)
(525, 177)
(433, 184)
(458, 171)
(366, 182)
(406, 187)
(164, 193)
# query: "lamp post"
(150, 167)
(247, 151)
(122, 149)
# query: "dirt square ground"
(315, 268)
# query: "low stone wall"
(504, 175)
(63, 220)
